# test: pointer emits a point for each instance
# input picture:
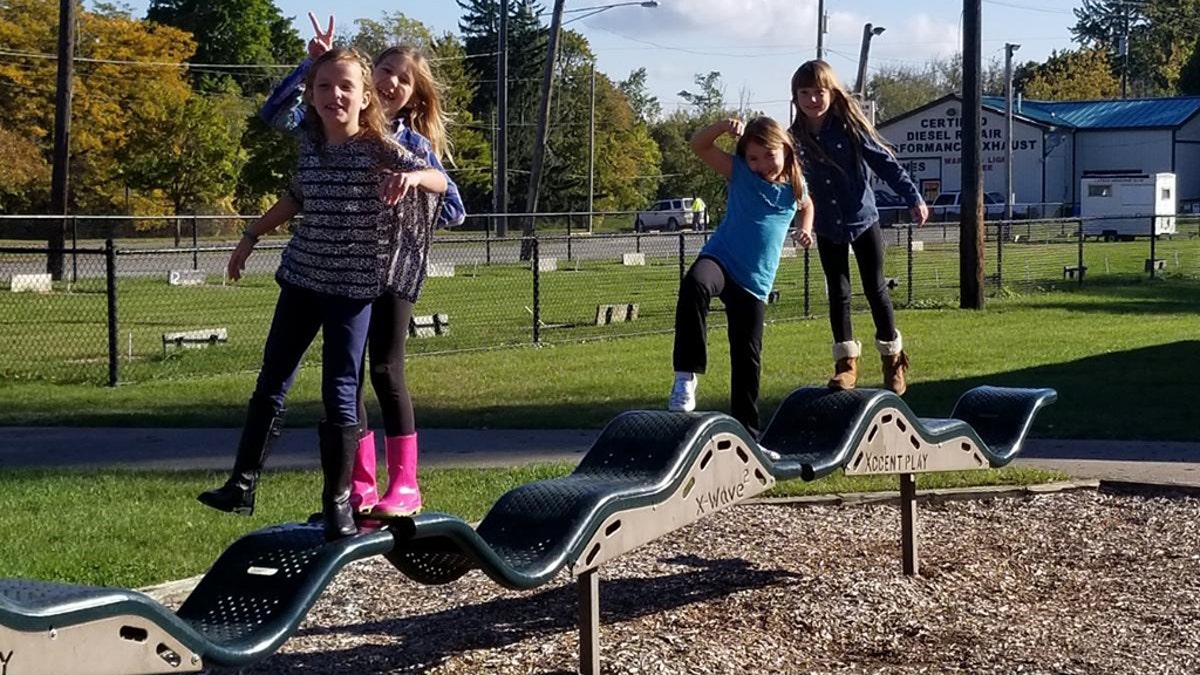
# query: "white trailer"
(1128, 205)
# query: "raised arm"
(716, 158)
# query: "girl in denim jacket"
(840, 149)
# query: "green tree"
(236, 32)
(479, 25)
(393, 28)
(470, 159)
(1189, 76)
(899, 89)
(1161, 37)
(710, 94)
(644, 105)
(197, 155)
(1073, 75)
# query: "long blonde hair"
(771, 135)
(423, 111)
(818, 74)
(370, 119)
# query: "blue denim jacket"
(844, 200)
(284, 110)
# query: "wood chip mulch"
(1066, 583)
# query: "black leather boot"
(339, 444)
(259, 433)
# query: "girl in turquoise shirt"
(738, 264)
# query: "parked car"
(665, 214)
(948, 205)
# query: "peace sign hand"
(323, 41)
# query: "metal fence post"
(74, 246)
(1000, 254)
(570, 217)
(1153, 247)
(637, 243)
(195, 243)
(807, 285)
(682, 256)
(1079, 269)
(110, 282)
(910, 266)
(537, 292)
(487, 243)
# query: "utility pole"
(971, 237)
(1123, 49)
(500, 188)
(820, 29)
(543, 119)
(1009, 48)
(860, 84)
(592, 149)
(59, 182)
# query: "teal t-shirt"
(750, 239)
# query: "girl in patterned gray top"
(364, 200)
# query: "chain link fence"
(143, 309)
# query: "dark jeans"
(835, 261)
(299, 314)
(744, 313)
(390, 316)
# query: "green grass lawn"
(63, 337)
(1122, 356)
(133, 529)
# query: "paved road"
(147, 262)
(1143, 461)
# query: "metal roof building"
(1054, 144)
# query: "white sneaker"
(770, 454)
(683, 393)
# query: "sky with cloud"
(756, 44)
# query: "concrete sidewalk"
(177, 449)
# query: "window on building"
(1165, 194)
(1099, 190)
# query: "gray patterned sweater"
(348, 242)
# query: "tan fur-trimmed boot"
(895, 363)
(845, 369)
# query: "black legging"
(390, 316)
(744, 313)
(835, 261)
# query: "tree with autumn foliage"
(1073, 75)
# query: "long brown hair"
(423, 111)
(370, 119)
(818, 74)
(771, 135)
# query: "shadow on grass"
(1137, 297)
(1117, 395)
(426, 641)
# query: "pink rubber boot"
(403, 497)
(363, 492)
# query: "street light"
(539, 142)
(593, 11)
(869, 31)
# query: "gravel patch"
(1068, 583)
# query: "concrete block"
(633, 259)
(440, 270)
(187, 277)
(34, 283)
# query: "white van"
(1127, 206)
(665, 214)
